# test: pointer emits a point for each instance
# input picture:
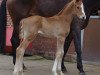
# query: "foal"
(57, 26)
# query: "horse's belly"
(44, 33)
(53, 31)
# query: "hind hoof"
(24, 67)
(82, 73)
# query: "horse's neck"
(68, 10)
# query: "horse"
(56, 26)
(44, 8)
(2, 25)
(75, 34)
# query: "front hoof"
(55, 74)
(82, 73)
(64, 70)
(61, 73)
(18, 73)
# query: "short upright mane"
(66, 7)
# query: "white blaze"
(82, 6)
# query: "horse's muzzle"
(83, 17)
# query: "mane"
(66, 7)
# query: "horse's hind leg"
(15, 40)
(18, 70)
(19, 57)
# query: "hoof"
(82, 73)
(24, 67)
(64, 70)
(61, 73)
(18, 73)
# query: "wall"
(91, 45)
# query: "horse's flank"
(26, 25)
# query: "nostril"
(83, 18)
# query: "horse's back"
(19, 8)
(45, 8)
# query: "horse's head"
(79, 9)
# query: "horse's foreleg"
(59, 56)
(66, 47)
(18, 70)
(77, 42)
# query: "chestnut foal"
(57, 26)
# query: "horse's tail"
(3, 21)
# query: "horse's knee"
(59, 54)
(19, 52)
